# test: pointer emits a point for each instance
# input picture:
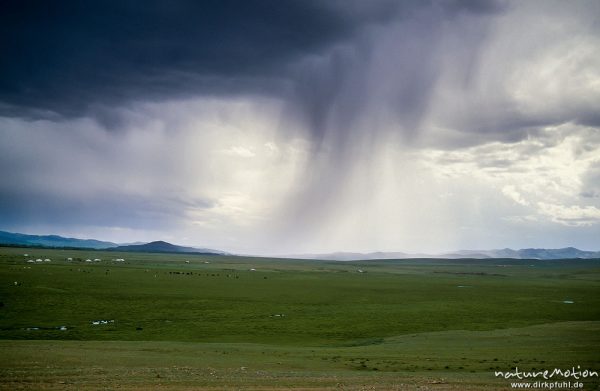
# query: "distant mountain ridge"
(51, 241)
(526, 253)
(163, 247)
(18, 239)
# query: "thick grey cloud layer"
(73, 58)
(330, 124)
(70, 56)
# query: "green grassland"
(182, 321)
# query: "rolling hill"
(10, 238)
(526, 253)
(19, 239)
(164, 247)
(55, 241)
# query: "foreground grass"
(216, 323)
(440, 360)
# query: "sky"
(303, 126)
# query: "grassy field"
(172, 321)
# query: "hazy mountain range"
(51, 241)
(164, 247)
(18, 239)
(526, 253)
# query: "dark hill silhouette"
(10, 238)
(163, 247)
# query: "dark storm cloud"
(68, 56)
(73, 58)
(335, 62)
